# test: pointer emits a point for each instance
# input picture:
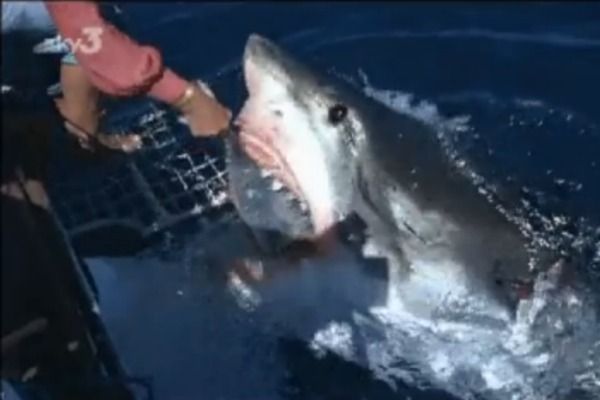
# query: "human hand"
(83, 127)
(203, 113)
(127, 143)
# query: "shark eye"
(337, 113)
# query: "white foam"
(336, 337)
(245, 296)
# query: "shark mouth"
(262, 139)
(257, 142)
(271, 161)
(314, 222)
(268, 127)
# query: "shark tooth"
(290, 196)
(276, 185)
(265, 173)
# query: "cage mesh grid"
(173, 177)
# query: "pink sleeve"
(120, 66)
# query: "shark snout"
(259, 49)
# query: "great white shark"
(312, 154)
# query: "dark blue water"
(527, 76)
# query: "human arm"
(118, 66)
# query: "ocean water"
(516, 89)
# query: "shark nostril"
(278, 112)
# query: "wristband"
(185, 98)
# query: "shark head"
(302, 130)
